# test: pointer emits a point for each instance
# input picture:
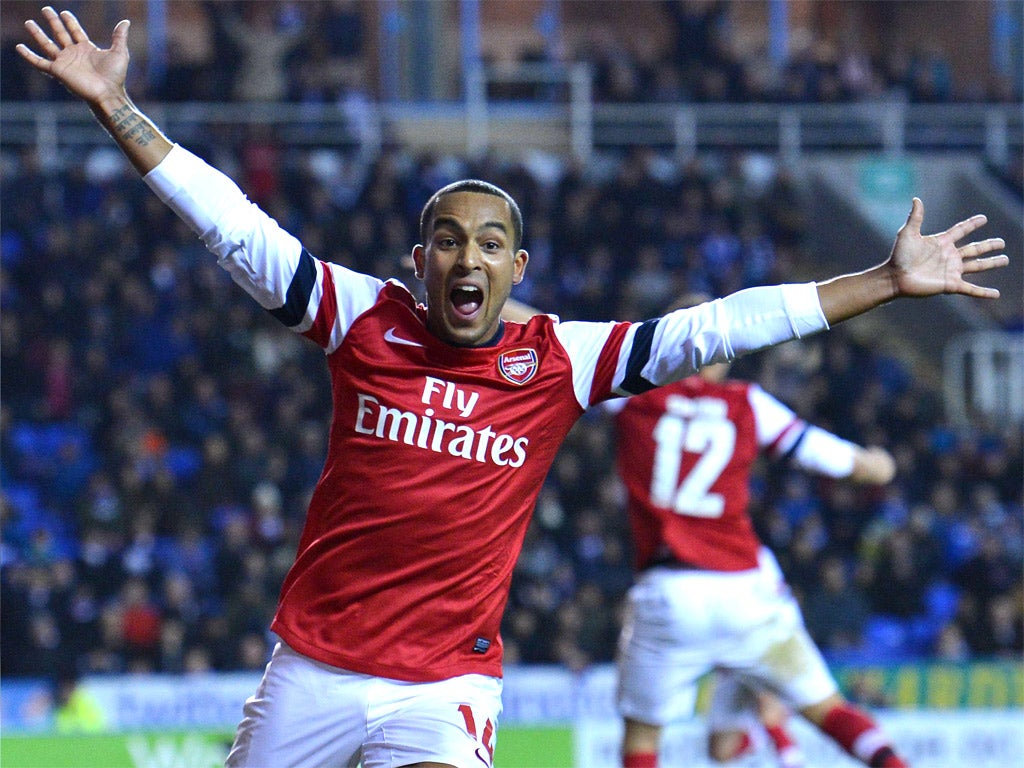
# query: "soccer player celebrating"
(708, 595)
(445, 422)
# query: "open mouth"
(466, 300)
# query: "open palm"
(926, 265)
(71, 58)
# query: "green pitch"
(517, 748)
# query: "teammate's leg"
(774, 716)
(732, 718)
(658, 668)
(640, 743)
(855, 731)
(789, 662)
(742, 717)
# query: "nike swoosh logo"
(389, 335)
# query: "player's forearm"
(140, 140)
(854, 294)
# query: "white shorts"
(680, 624)
(306, 713)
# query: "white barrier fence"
(928, 739)
(971, 716)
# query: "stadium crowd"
(281, 50)
(160, 435)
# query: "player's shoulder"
(738, 386)
(697, 384)
(538, 325)
(395, 290)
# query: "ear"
(519, 266)
(419, 258)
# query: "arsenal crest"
(518, 365)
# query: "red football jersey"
(685, 453)
(427, 441)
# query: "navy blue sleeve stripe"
(639, 354)
(297, 298)
(796, 444)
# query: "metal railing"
(983, 377)
(564, 118)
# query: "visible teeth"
(466, 298)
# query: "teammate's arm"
(826, 454)
(809, 447)
(518, 311)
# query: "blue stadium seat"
(941, 600)
(183, 462)
(888, 637)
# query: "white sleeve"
(777, 426)
(585, 343)
(614, 406)
(680, 343)
(809, 447)
(623, 359)
(268, 262)
(258, 253)
(822, 452)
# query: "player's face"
(468, 266)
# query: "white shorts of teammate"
(305, 713)
(680, 624)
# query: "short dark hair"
(472, 185)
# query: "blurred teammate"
(445, 422)
(708, 595)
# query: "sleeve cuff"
(803, 308)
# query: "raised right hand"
(71, 58)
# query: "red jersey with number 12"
(685, 453)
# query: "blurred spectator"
(899, 577)
(835, 610)
(990, 572)
(951, 645)
(75, 710)
(263, 42)
(192, 71)
(1005, 624)
(141, 622)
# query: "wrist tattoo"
(129, 125)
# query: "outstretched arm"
(97, 76)
(919, 265)
(814, 449)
